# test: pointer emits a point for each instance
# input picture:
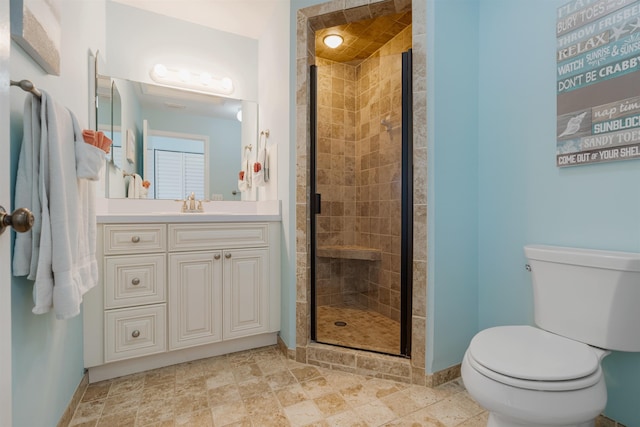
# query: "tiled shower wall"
(359, 177)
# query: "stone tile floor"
(365, 329)
(262, 388)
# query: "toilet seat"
(531, 358)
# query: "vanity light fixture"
(239, 115)
(333, 40)
(191, 80)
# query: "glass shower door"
(359, 175)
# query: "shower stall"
(361, 198)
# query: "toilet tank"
(591, 296)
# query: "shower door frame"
(315, 202)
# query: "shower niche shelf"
(350, 252)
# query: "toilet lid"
(532, 354)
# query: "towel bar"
(27, 86)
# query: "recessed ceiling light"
(333, 41)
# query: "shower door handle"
(318, 203)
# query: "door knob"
(21, 220)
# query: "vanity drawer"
(134, 280)
(188, 237)
(134, 332)
(126, 239)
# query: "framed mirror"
(208, 140)
(178, 141)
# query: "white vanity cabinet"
(172, 292)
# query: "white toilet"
(585, 304)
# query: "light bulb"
(205, 79)
(184, 75)
(239, 115)
(333, 41)
(160, 70)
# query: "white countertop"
(120, 211)
(184, 217)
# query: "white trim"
(5, 238)
(141, 364)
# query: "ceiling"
(243, 17)
(361, 38)
(248, 18)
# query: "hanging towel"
(27, 245)
(135, 189)
(244, 177)
(65, 262)
(258, 170)
(99, 139)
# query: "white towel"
(66, 265)
(258, 171)
(244, 179)
(27, 245)
(135, 188)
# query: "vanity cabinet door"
(246, 292)
(195, 298)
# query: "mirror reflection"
(169, 142)
(179, 80)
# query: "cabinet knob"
(227, 255)
(135, 333)
(135, 239)
(216, 256)
(135, 281)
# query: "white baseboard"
(140, 364)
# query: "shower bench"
(350, 252)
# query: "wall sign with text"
(598, 81)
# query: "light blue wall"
(47, 361)
(452, 193)
(523, 197)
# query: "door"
(195, 299)
(246, 292)
(5, 239)
(361, 204)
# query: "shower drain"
(339, 323)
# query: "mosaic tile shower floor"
(364, 329)
(261, 388)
